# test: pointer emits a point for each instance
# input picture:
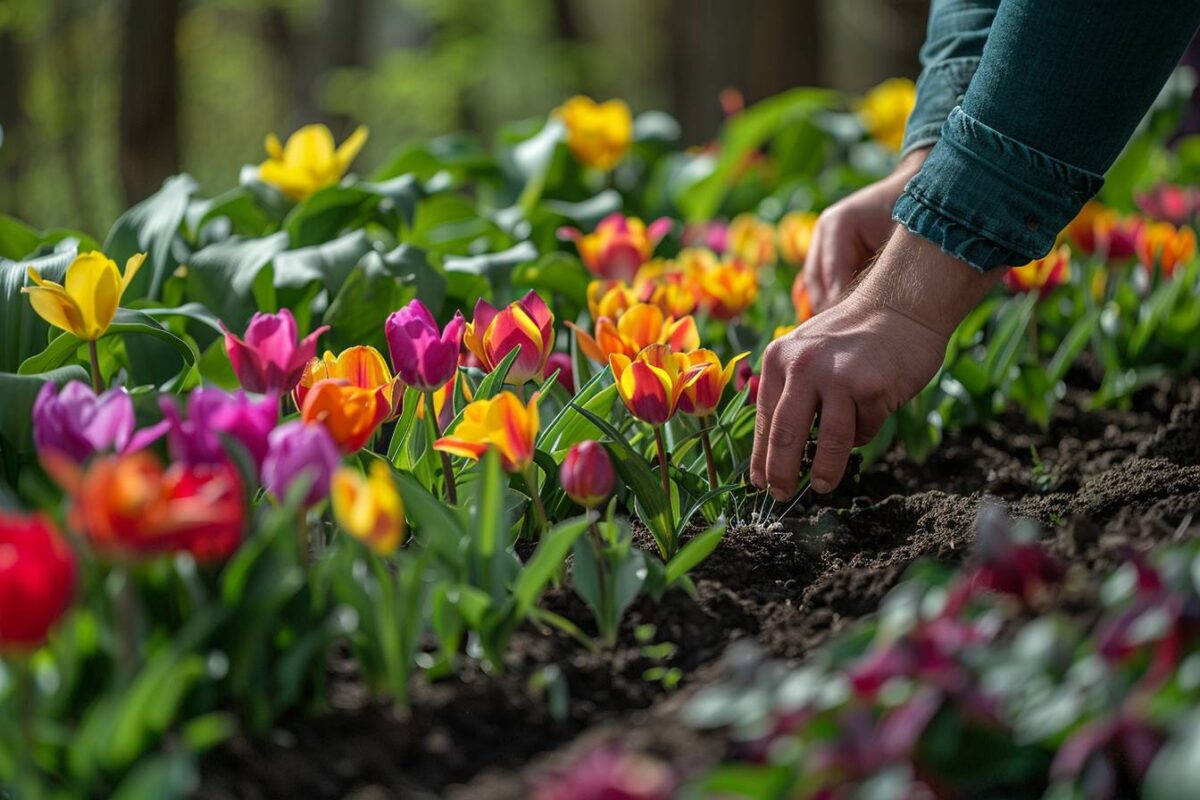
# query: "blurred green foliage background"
(102, 99)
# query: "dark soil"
(1101, 483)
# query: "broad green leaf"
(151, 227)
(22, 332)
(695, 551)
(546, 562)
(17, 240)
(225, 277)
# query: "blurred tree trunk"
(148, 129)
(70, 80)
(340, 46)
(11, 120)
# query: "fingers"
(790, 427)
(834, 442)
(770, 386)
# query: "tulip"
(308, 161)
(86, 302)
(885, 109)
(493, 334)
(213, 412)
(751, 240)
(360, 366)
(269, 359)
(795, 232)
(423, 357)
(701, 398)
(560, 362)
(128, 505)
(712, 235)
(299, 452)
(37, 580)
(610, 298)
(652, 384)
(508, 426)
(349, 413)
(1164, 245)
(746, 377)
(1042, 275)
(667, 285)
(727, 290)
(638, 328)
(586, 474)
(618, 246)
(801, 301)
(76, 423)
(609, 773)
(598, 134)
(1175, 204)
(1099, 230)
(369, 508)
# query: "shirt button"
(1033, 223)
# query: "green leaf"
(151, 227)
(17, 240)
(381, 284)
(490, 528)
(22, 332)
(695, 551)
(335, 208)
(546, 562)
(16, 413)
(163, 776)
(328, 264)
(569, 427)
(224, 277)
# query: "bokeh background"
(102, 99)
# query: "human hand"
(851, 231)
(857, 362)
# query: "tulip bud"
(37, 580)
(423, 357)
(586, 474)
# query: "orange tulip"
(1163, 244)
(796, 231)
(350, 413)
(618, 246)
(493, 334)
(501, 422)
(667, 285)
(610, 298)
(751, 240)
(727, 290)
(640, 326)
(702, 397)
(652, 384)
(1041, 275)
(801, 301)
(361, 366)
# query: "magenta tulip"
(586, 474)
(76, 423)
(268, 358)
(296, 451)
(212, 413)
(424, 357)
(562, 363)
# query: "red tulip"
(37, 580)
(586, 474)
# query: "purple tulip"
(269, 358)
(424, 357)
(75, 423)
(296, 451)
(212, 412)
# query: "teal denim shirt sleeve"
(1060, 88)
(957, 32)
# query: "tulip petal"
(132, 266)
(350, 148)
(95, 285)
(55, 306)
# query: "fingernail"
(821, 486)
(780, 494)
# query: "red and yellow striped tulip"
(361, 366)
(639, 327)
(751, 240)
(369, 507)
(727, 290)
(702, 396)
(598, 134)
(618, 246)
(1163, 245)
(1098, 230)
(652, 384)
(610, 298)
(493, 334)
(796, 231)
(667, 285)
(501, 422)
(1042, 275)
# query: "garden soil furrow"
(1101, 482)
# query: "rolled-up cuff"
(939, 89)
(990, 200)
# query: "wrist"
(915, 278)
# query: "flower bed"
(223, 540)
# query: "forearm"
(957, 32)
(1060, 88)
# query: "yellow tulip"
(369, 508)
(502, 422)
(87, 300)
(308, 161)
(884, 111)
(598, 134)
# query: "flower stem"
(303, 538)
(607, 631)
(535, 499)
(26, 697)
(97, 381)
(435, 431)
(709, 459)
(665, 474)
(128, 622)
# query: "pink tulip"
(423, 357)
(268, 358)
